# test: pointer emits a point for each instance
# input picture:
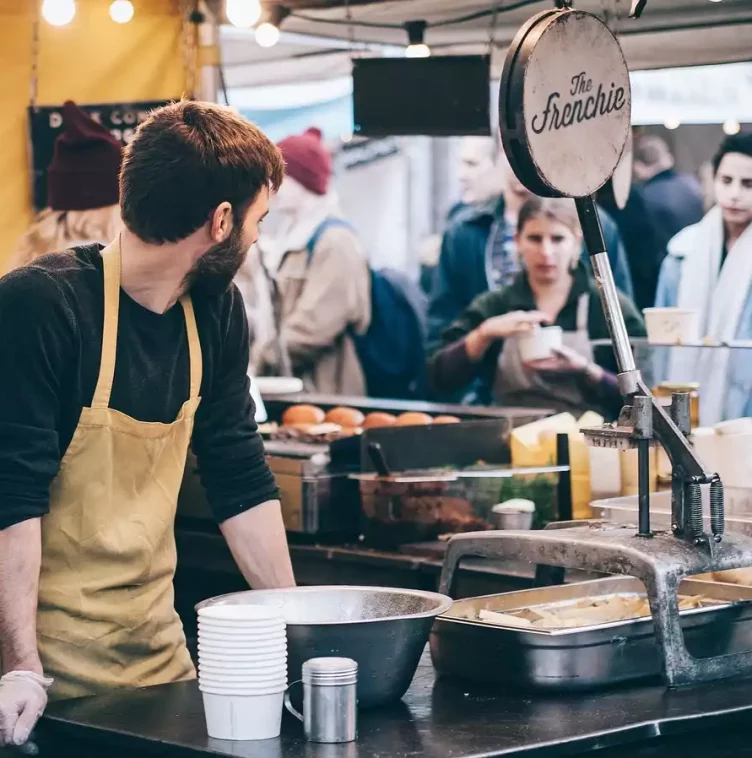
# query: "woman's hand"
(564, 360)
(500, 327)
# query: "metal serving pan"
(587, 657)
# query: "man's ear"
(221, 222)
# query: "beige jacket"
(318, 304)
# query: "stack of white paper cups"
(242, 670)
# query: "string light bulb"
(243, 13)
(121, 11)
(267, 35)
(672, 123)
(59, 12)
(731, 127)
(416, 46)
(267, 32)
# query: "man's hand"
(23, 698)
(258, 542)
(564, 360)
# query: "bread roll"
(350, 418)
(297, 415)
(446, 420)
(411, 418)
(377, 420)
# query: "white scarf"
(294, 233)
(719, 297)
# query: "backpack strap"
(327, 223)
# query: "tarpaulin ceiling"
(321, 34)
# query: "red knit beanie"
(85, 166)
(307, 160)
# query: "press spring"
(694, 507)
(717, 516)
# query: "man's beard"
(214, 271)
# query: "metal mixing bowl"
(384, 629)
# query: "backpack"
(392, 353)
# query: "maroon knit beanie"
(85, 165)
(307, 160)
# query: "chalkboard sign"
(46, 123)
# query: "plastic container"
(623, 510)
(672, 326)
(514, 514)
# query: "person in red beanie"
(82, 190)
(321, 277)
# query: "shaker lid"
(330, 671)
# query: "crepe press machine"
(564, 110)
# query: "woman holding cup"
(528, 344)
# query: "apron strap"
(583, 307)
(194, 346)
(103, 391)
(111, 264)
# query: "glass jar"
(663, 394)
(664, 391)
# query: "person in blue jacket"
(477, 255)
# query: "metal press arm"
(689, 472)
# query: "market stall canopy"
(318, 34)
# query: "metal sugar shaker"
(330, 700)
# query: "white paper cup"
(259, 613)
(242, 689)
(266, 685)
(671, 326)
(243, 635)
(540, 343)
(242, 626)
(243, 717)
(241, 678)
(270, 669)
(280, 682)
(236, 658)
(238, 653)
(256, 667)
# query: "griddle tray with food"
(582, 658)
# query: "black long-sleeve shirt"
(51, 317)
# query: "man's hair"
(737, 143)
(652, 150)
(560, 209)
(186, 159)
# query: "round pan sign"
(564, 104)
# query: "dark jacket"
(673, 201)
(461, 274)
(519, 297)
(645, 251)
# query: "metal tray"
(588, 657)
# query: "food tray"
(583, 658)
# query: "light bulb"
(732, 126)
(243, 13)
(417, 51)
(267, 35)
(121, 11)
(59, 12)
(672, 123)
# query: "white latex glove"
(23, 697)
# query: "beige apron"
(515, 385)
(106, 616)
